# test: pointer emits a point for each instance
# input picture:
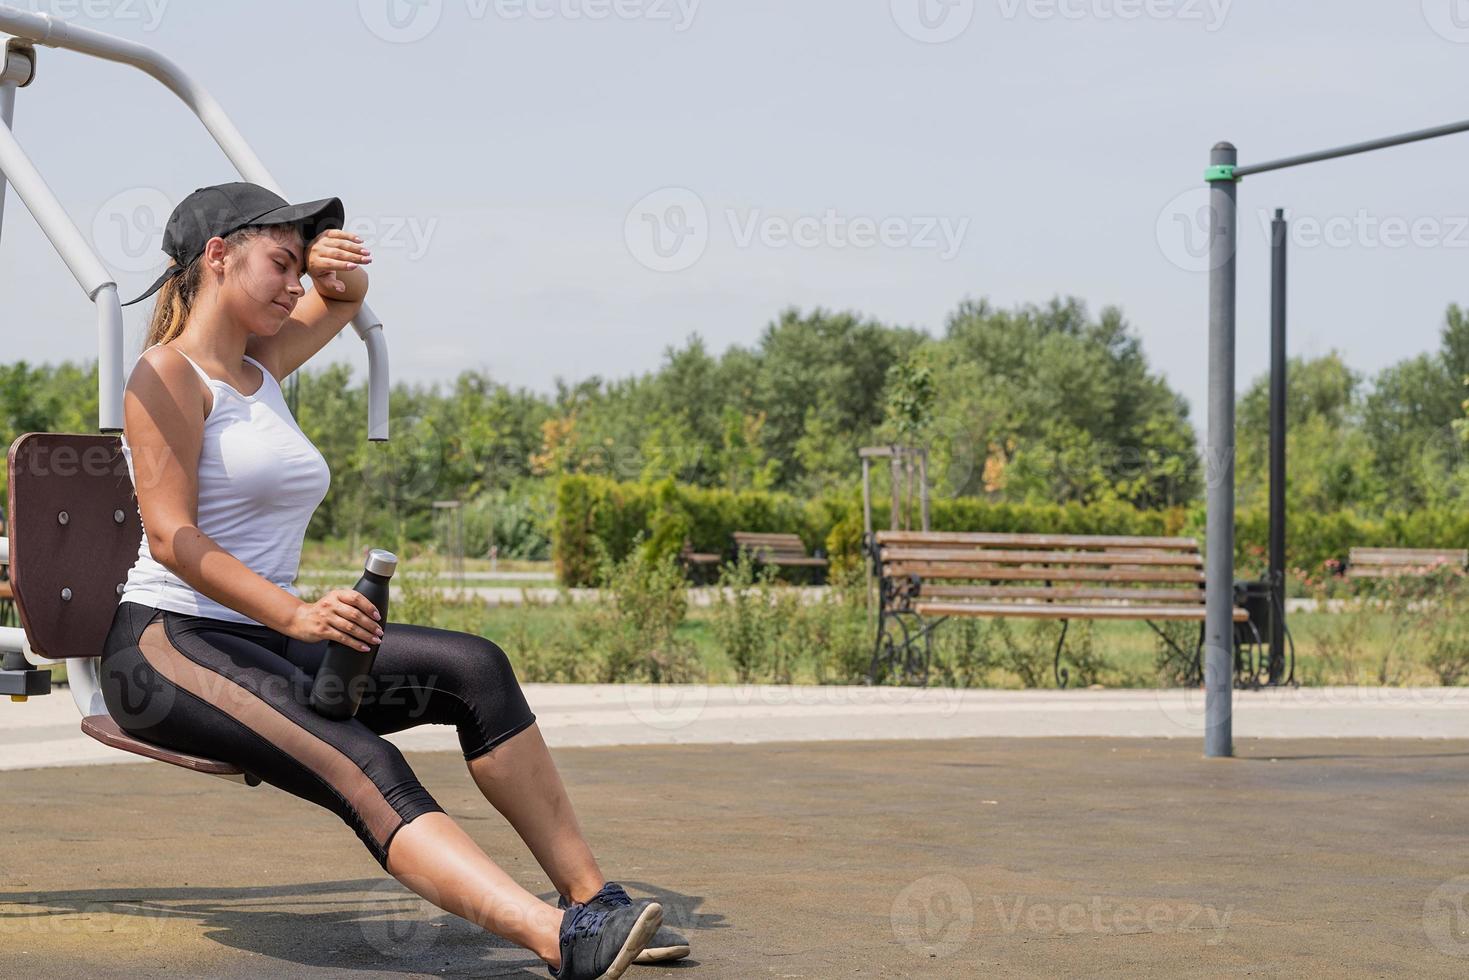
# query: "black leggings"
(240, 693)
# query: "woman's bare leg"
(436, 859)
(520, 780)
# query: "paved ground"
(44, 732)
(954, 858)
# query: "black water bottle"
(337, 691)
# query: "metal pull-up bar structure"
(17, 70)
(1223, 176)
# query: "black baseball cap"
(223, 209)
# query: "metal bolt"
(118, 516)
(63, 518)
(66, 595)
(119, 588)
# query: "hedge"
(591, 508)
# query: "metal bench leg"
(1197, 675)
(1063, 676)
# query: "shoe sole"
(662, 954)
(642, 931)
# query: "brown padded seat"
(74, 532)
(105, 730)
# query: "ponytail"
(174, 304)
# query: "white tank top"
(260, 480)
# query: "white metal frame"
(20, 32)
(17, 69)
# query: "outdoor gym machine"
(18, 70)
(1223, 176)
(20, 32)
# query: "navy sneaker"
(600, 943)
(665, 946)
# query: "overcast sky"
(567, 187)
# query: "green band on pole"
(1220, 171)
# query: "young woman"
(213, 651)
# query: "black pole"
(1278, 370)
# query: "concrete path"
(44, 732)
(947, 859)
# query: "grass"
(1361, 647)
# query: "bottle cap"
(380, 562)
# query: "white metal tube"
(84, 677)
(72, 246)
(370, 329)
(10, 69)
(4, 551)
(12, 639)
(47, 30)
(109, 359)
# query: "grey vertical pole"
(866, 497)
(923, 483)
(1278, 382)
(893, 470)
(1219, 458)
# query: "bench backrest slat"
(1005, 540)
(998, 557)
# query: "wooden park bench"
(781, 550)
(1400, 562)
(699, 564)
(925, 577)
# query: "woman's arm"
(333, 261)
(163, 416)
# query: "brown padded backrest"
(74, 526)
